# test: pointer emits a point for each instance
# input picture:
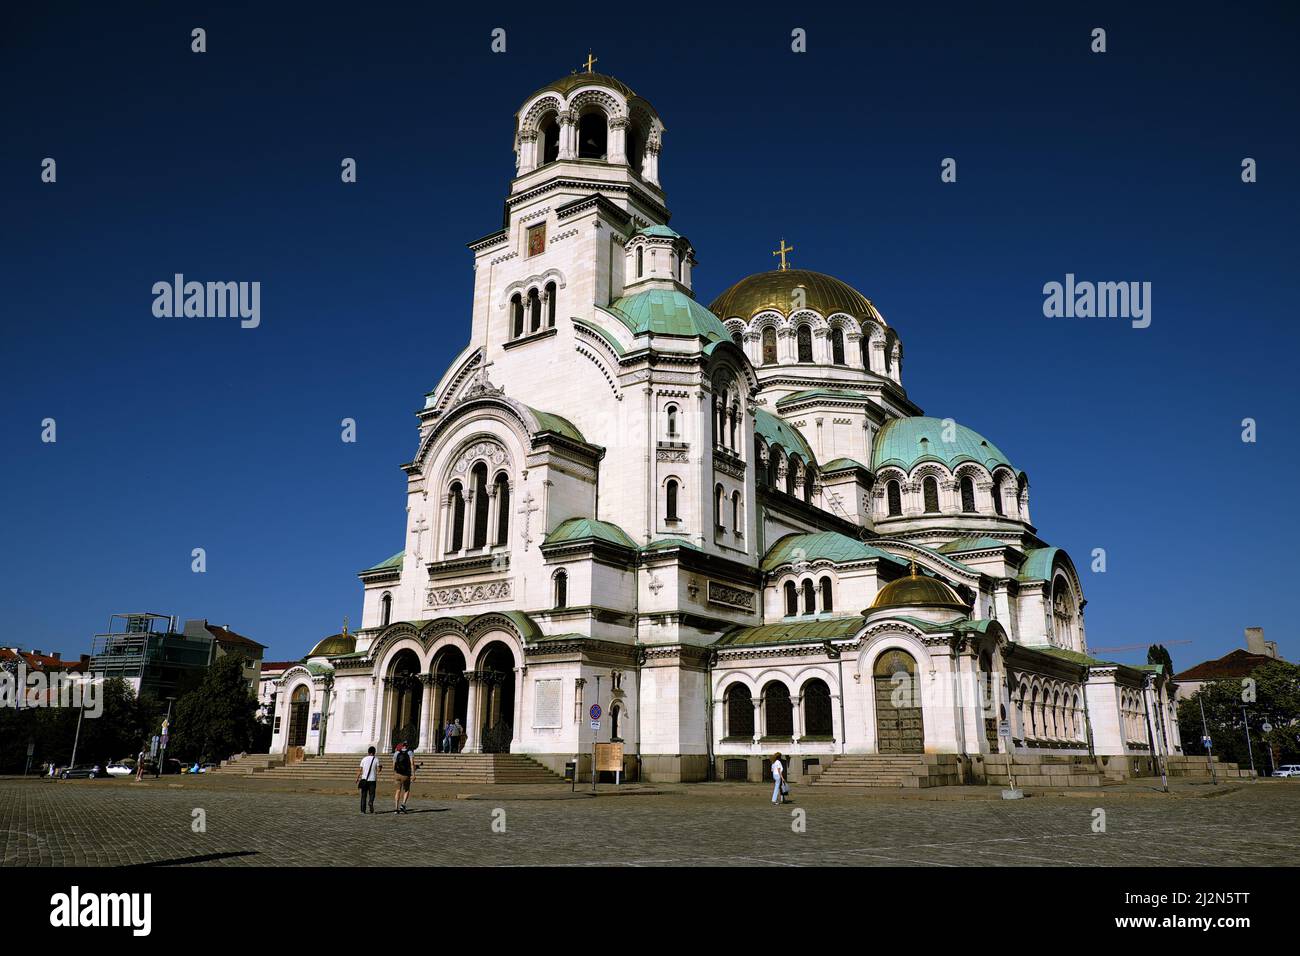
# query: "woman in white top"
(778, 776)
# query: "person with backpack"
(368, 779)
(402, 770)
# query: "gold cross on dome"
(782, 253)
(591, 60)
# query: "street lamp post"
(162, 754)
(1209, 744)
(1249, 749)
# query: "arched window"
(672, 421)
(457, 494)
(549, 135)
(805, 343)
(864, 344)
(769, 346)
(778, 714)
(967, 494)
(735, 512)
(895, 497)
(837, 346)
(478, 478)
(386, 610)
(808, 485)
(640, 261)
(930, 487)
(550, 305)
(593, 133)
(888, 359)
(790, 471)
(561, 590)
(740, 711)
(809, 597)
(817, 718)
(828, 602)
(738, 339)
(670, 500)
(791, 599)
(534, 310)
(719, 496)
(735, 422)
(502, 488)
(773, 469)
(517, 314)
(997, 494)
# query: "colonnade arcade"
(472, 681)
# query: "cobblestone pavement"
(107, 823)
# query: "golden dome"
(775, 290)
(918, 590)
(334, 645)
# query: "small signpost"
(1012, 792)
(609, 757)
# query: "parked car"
(172, 765)
(119, 769)
(1288, 770)
(83, 773)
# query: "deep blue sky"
(183, 433)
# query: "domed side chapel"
(728, 526)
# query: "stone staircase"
(248, 764)
(894, 771)
(341, 769)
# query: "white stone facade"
(615, 493)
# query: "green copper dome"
(907, 442)
(668, 312)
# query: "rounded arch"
(815, 708)
(738, 709)
(496, 663)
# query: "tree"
(1159, 654)
(218, 718)
(1271, 694)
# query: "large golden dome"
(775, 290)
(918, 590)
(334, 645)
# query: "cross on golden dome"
(782, 253)
(591, 61)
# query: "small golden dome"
(334, 645)
(775, 290)
(918, 590)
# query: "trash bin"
(570, 771)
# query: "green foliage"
(1272, 696)
(217, 718)
(125, 721)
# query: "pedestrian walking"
(368, 779)
(402, 770)
(457, 736)
(139, 764)
(447, 736)
(779, 788)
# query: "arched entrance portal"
(496, 698)
(299, 704)
(450, 696)
(404, 689)
(899, 728)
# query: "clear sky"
(174, 434)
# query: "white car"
(119, 770)
(1288, 770)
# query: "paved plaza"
(112, 823)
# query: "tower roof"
(908, 441)
(668, 312)
(918, 590)
(577, 79)
(775, 290)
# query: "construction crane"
(1132, 647)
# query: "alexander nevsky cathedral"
(727, 526)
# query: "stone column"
(616, 145)
(568, 133)
(473, 731)
(758, 719)
(426, 701)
